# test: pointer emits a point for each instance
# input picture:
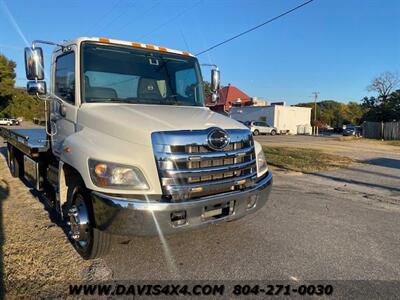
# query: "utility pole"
(315, 113)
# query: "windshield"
(130, 75)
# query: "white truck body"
(119, 161)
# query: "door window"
(64, 86)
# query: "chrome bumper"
(125, 216)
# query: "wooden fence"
(381, 130)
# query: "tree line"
(384, 107)
(15, 102)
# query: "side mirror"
(34, 63)
(214, 97)
(215, 81)
(36, 87)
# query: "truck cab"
(130, 147)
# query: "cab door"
(63, 111)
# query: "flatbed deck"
(30, 141)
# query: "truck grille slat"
(196, 156)
(212, 170)
(189, 168)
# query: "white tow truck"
(129, 147)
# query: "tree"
(386, 106)
(207, 89)
(7, 74)
(335, 114)
(15, 102)
(384, 84)
(354, 112)
(23, 105)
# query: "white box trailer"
(294, 119)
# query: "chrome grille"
(189, 169)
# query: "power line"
(315, 112)
(134, 20)
(108, 25)
(102, 18)
(256, 27)
(179, 14)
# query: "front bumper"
(125, 216)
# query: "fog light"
(178, 218)
(252, 201)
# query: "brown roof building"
(230, 96)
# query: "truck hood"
(136, 122)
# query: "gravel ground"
(36, 258)
(361, 149)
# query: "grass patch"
(347, 138)
(393, 143)
(375, 141)
(304, 160)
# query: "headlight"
(261, 163)
(106, 174)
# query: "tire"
(256, 132)
(15, 162)
(8, 124)
(91, 243)
(273, 132)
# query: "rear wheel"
(273, 132)
(89, 242)
(256, 132)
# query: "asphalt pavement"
(342, 224)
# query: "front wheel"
(256, 132)
(273, 132)
(89, 242)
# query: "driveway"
(341, 224)
(308, 230)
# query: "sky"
(335, 47)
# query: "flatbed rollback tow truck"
(129, 147)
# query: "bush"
(19, 104)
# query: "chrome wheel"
(79, 222)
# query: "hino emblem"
(218, 139)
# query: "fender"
(87, 144)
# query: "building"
(260, 102)
(295, 119)
(230, 96)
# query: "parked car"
(258, 127)
(352, 130)
(15, 121)
(5, 121)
